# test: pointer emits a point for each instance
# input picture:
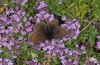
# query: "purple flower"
(1, 51)
(91, 59)
(16, 30)
(33, 62)
(66, 51)
(54, 53)
(70, 53)
(73, 26)
(63, 62)
(29, 29)
(7, 31)
(75, 62)
(49, 52)
(10, 28)
(30, 18)
(0, 59)
(77, 24)
(23, 2)
(50, 47)
(14, 56)
(23, 13)
(64, 25)
(20, 38)
(17, 19)
(39, 16)
(46, 16)
(70, 60)
(51, 18)
(83, 48)
(42, 12)
(53, 42)
(27, 24)
(24, 19)
(11, 10)
(98, 45)
(2, 31)
(4, 18)
(98, 36)
(6, 61)
(77, 45)
(61, 45)
(42, 5)
(62, 57)
(23, 32)
(65, 39)
(42, 45)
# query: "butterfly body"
(47, 31)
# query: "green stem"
(87, 25)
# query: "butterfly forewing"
(40, 27)
(38, 34)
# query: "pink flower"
(24, 2)
(91, 59)
(17, 19)
(98, 36)
(98, 44)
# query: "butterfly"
(47, 31)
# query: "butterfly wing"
(38, 34)
(35, 37)
(58, 32)
(40, 27)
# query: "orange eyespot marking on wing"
(34, 37)
(63, 31)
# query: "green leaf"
(33, 54)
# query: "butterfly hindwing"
(36, 37)
(58, 32)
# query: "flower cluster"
(43, 13)
(6, 61)
(33, 62)
(22, 2)
(72, 26)
(14, 25)
(92, 61)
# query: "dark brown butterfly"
(47, 31)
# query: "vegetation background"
(14, 45)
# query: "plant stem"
(87, 25)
